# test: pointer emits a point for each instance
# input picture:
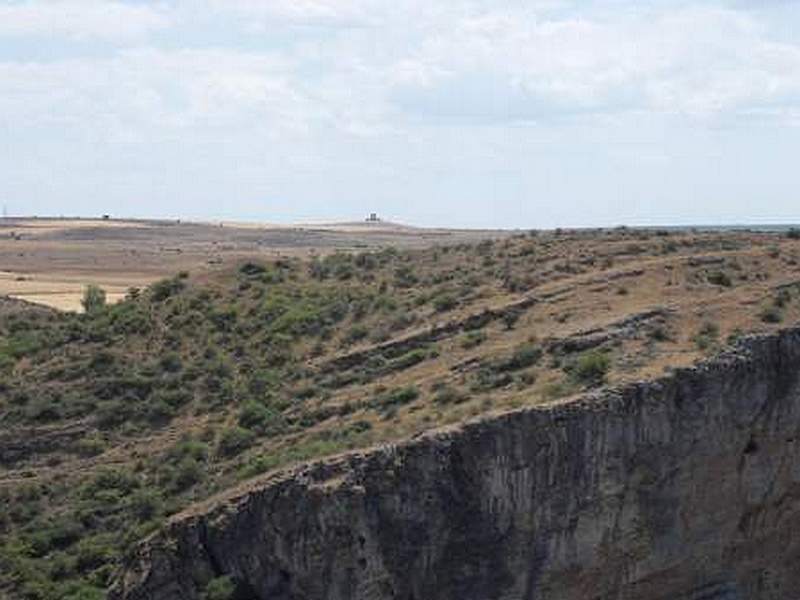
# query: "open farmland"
(51, 261)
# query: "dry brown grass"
(51, 261)
(579, 288)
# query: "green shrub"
(445, 303)
(344, 271)
(719, 278)
(234, 441)
(510, 318)
(356, 334)
(171, 362)
(90, 446)
(398, 397)
(404, 277)
(252, 269)
(793, 234)
(188, 447)
(82, 591)
(707, 336)
(95, 551)
(472, 339)
(22, 344)
(523, 357)
(659, 333)
(782, 298)
(114, 414)
(409, 359)
(161, 290)
(187, 473)
(258, 417)
(445, 394)
(220, 588)
(366, 260)
(771, 314)
(111, 478)
(159, 412)
(478, 321)
(94, 300)
(173, 398)
(488, 378)
(56, 534)
(145, 504)
(591, 367)
(262, 381)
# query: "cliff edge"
(684, 488)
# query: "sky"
(463, 113)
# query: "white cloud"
(80, 19)
(416, 61)
(259, 15)
(694, 61)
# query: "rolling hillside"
(112, 421)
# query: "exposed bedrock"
(685, 488)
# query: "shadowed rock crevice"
(685, 488)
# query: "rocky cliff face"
(685, 488)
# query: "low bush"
(409, 359)
(720, 278)
(445, 302)
(161, 290)
(252, 269)
(487, 378)
(591, 367)
(472, 339)
(145, 504)
(446, 394)
(771, 314)
(404, 277)
(707, 336)
(255, 416)
(782, 298)
(398, 397)
(95, 551)
(478, 321)
(356, 334)
(220, 588)
(235, 440)
(510, 318)
(659, 333)
(188, 472)
(524, 356)
(94, 300)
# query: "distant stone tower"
(373, 218)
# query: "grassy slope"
(111, 421)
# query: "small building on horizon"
(373, 218)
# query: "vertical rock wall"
(685, 488)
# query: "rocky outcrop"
(685, 488)
(399, 346)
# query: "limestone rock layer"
(684, 488)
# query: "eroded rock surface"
(685, 488)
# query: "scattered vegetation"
(208, 380)
(94, 299)
(707, 336)
(771, 314)
(220, 588)
(720, 278)
(591, 367)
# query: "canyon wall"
(684, 488)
